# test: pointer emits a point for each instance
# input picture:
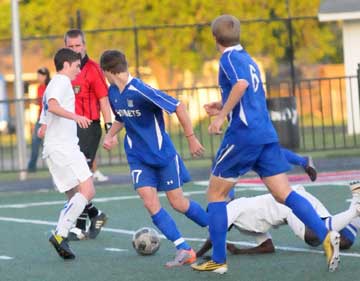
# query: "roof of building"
(333, 10)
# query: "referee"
(91, 98)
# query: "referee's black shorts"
(89, 140)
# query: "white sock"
(61, 215)
(73, 210)
(341, 220)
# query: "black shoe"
(96, 224)
(77, 234)
(310, 169)
(61, 246)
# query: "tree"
(171, 51)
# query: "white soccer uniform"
(255, 216)
(67, 164)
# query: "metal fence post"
(358, 78)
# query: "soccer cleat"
(96, 224)
(310, 169)
(61, 246)
(99, 176)
(331, 248)
(77, 234)
(212, 266)
(355, 190)
(182, 257)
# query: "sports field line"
(131, 232)
(112, 198)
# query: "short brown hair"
(226, 30)
(65, 55)
(73, 33)
(113, 61)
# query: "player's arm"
(205, 247)
(105, 109)
(196, 149)
(110, 138)
(55, 108)
(265, 247)
(236, 93)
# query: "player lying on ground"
(66, 163)
(249, 219)
(154, 163)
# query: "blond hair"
(226, 30)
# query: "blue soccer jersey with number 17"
(249, 121)
(140, 107)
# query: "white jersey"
(257, 215)
(61, 133)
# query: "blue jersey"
(249, 121)
(140, 107)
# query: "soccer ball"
(146, 241)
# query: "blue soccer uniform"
(250, 140)
(151, 155)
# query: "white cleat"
(100, 177)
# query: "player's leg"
(172, 178)
(89, 140)
(35, 146)
(166, 224)
(76, 172)
(304, 161)
(217, 192)
(190, 208)
(271, 166)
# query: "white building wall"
(351, 46)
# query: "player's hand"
(109, 142)
(196, 148)
(41, 131)
(215, 126)
(82, 121)
(212, 108)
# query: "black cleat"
(61, 246)
(96, 224)
(310, 169)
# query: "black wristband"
(107, 126)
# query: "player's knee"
(345, 244)
(151, 205)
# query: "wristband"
(107, 126)
(188, 136)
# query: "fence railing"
(322, 114)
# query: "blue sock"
(167, 226)
(294, 159)
(197, 214)
(231, 194)
(218, 230)
(307, 214)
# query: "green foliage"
(176, 49)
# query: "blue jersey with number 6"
(249, 121)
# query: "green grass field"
(27, 218)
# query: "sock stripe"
(177, 242)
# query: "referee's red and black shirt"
(89, 86)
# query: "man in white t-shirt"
(67, 164)
(255, 216)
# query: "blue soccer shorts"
(233, 161)
(165, 178)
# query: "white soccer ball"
(146, 241)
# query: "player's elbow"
(181, 107)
